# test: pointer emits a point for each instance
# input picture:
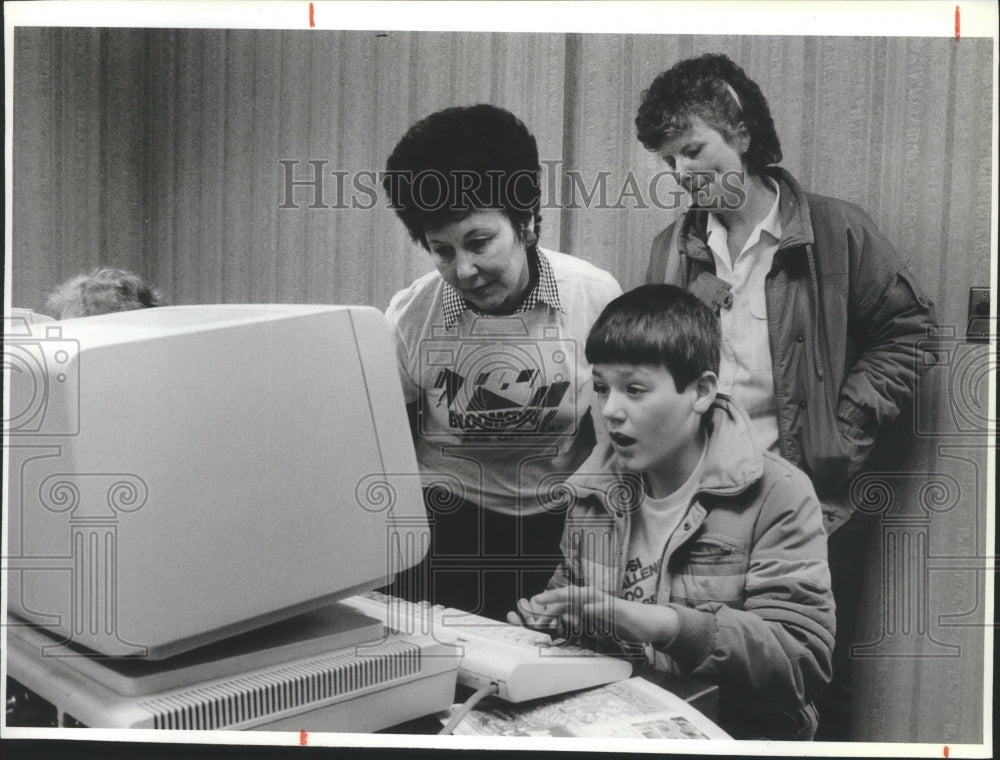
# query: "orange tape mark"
(312, 15)
(304, 737)
(958, 35)
(946, 750)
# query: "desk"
(701, 695)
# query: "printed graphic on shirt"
(493, 404)
(639, 583)
(499, 387)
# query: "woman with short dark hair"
(490, 350)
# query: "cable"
(467, 706)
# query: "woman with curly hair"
(102, 291)
(490, 349)
(820, 316)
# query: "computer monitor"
(183, 474)
(22, 315)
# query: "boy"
(685, 542)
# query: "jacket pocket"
(823, 445)
(716, 550)
(711, 569)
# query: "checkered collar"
(545, 291)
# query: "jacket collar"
(733, 462)
(793, 211)
(796, 234)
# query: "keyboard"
(524, 664)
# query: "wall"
(159, 151)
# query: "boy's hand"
(530, 614)
(587, 610)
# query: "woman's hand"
(585, 610)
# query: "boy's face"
(654, 428)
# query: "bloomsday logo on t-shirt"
(495, 405)
(501, 385)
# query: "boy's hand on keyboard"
(534, 616)
(585, 610)
(519, 664)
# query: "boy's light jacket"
(746, 571)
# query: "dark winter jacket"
(844, 316)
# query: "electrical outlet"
(979, 315)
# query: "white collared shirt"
(745, 372)
(544, 291)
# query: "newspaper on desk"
(632, 708)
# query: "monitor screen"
(181, 474)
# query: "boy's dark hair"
(462, 159)
(698, 87)
(658, 324)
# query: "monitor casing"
(182, 474)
